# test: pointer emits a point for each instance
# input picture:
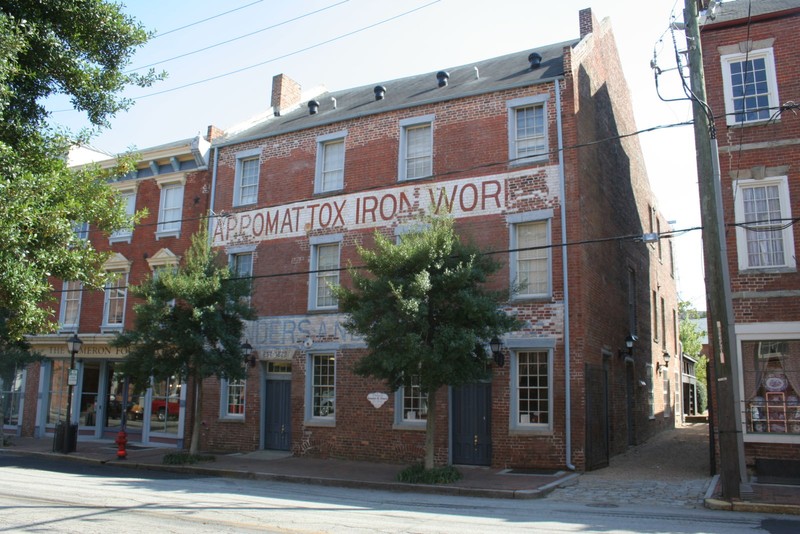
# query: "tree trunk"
(430, 431)
(197, 424)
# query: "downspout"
(212, 216)
(565, 282)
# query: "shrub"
(417, 474)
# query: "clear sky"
(349, 43)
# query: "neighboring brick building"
(523, 150)
(753, 81)
(173, 183)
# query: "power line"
(282, 23)
(289, 54)
(203, 20)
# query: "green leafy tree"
(424, 311)
(77, 48)
(691, 337)
(189, 325)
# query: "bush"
(702, 397)
(417, 474)
(184, 458)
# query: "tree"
(425, 312)
(78, 48)
(189, 325)
(691, 339)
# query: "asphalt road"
(52, 495)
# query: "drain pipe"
(212, 219)
(565, 278)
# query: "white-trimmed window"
(530, 259)
(116, 293)
(325, 251)
(531, 389)
(764, 237)
(233, 398)
(416, 147)
(527, 129)
(321, 387)
(128, 199)
(242, 266)
(330, 163)
(170, 209)
(411, 403)
(245, 188)
(70, 312)
(81, 230)
(666, 387)
(750, 86)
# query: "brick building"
(508, 146)
(526, 150)
(753, 79)
(173, 183)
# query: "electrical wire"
(209, 47)
(204, 20)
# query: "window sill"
(171, 233)
(120, 239)
(417, 426)
(232, 419)
(532, 160)
(110, 328)
(318, 422)
(754, 271)
(533, 431)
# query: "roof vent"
(442, 76)
(380, 92)
(535, 59)
(313, 107)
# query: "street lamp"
(247, 350)
(496, 347)
(73, 346)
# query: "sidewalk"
(642, 465)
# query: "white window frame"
(515, 422)
(786, 229)
(234, 255)
(765, 54)
(407, 125)
(227, 388)
(242, 158)
(70, 294)
(408, 420)
(651, 390)
(513, 107)
(120, 285)
(128, 195)
(514, 222)
(323, 171)
(311, 417)
(316, 277)
(81, 230)
(169, 217)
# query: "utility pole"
(721, 335)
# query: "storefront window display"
(57, 392)
(772, 386)
(10, 392)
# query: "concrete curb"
(714, 503)
(311, 480)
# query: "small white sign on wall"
(377, 399)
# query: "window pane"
(323, 388)
(533, 404)
(171, 208)
(415, 402)
(235, 396)
(532, 265)
(419, 151)
(128, 198)
(530, 138)
(248, 184)
(332, 177)
(771, 380)
(115, 299)
(327, 258)
(750, 90)
(762, 213)
(71, 300)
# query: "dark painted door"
(596, 417)
(472, 408)
(629, 402)
(277, 415)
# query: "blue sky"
(348, 43)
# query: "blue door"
(277, 415)
(472, 425)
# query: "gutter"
(212, 219)
(565, 278)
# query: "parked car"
(166, 408)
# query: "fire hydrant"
(121, 441)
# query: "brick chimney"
(285, 93)
(587, 21)
(213, 132)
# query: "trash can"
(71, 442)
